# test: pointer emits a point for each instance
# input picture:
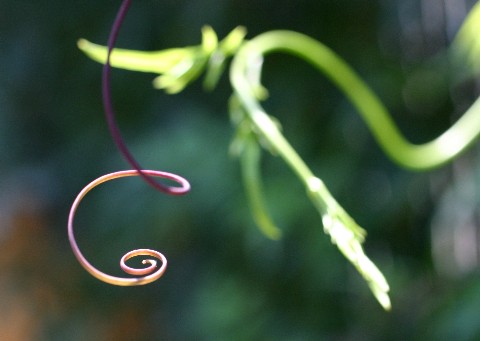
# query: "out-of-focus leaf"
(143, 61)
(465, 49)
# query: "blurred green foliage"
(225, 280)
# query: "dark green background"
(226, 281)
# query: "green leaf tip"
(250, 161)
(348, 236)
(142, 61)
(247, 147)
(349, 244)
(177, 67)
(209, 40)
(219, 55)
(465, 48)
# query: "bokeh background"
(225, 280)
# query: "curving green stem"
(417, 157)
(245, 75)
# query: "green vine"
(255, 129)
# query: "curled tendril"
(148, 272)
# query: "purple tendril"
(110, 112)
(148, 273)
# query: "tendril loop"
(151, 272)
(148, 273)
